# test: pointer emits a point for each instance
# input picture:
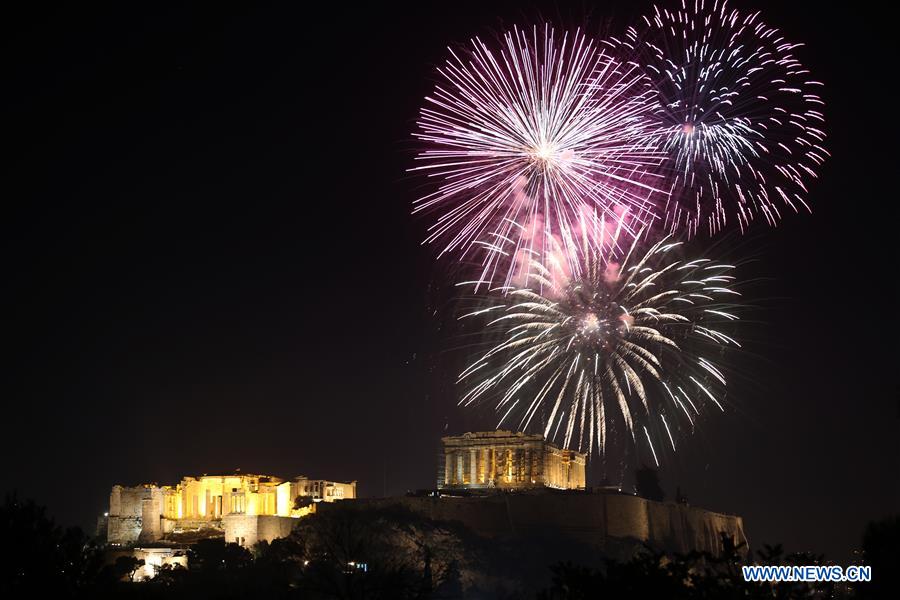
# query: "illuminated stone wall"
(126, 510)
(607, 521)
(151, 516)
(247, 530)
(507, 460)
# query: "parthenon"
(507, 460)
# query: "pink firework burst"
(541, 140)
(737, 114)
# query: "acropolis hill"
(550, 499)
(497, 484)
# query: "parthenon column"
(527, 470)
(448, 467)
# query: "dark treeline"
(351, 552)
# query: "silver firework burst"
(627, 347)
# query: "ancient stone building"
(231, 505)
(507, 460)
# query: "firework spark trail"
(539, 144)
(738, 115)
(633, 345)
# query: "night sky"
(209, 263)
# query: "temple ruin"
(243, 507)
(507, 460)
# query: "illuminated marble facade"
(148, 512)
(507, 460)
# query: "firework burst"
(630, 348)
(541, 143)
(737, 114)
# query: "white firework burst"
(623, 348)
(541, 142)
(738, 115)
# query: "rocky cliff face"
(610, 522)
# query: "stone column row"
(503, 465)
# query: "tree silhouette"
(215, 555)
(357, 551)
(40, 555)
(126, 566)
(881, 551)
(696, 575)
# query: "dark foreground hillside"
(392, 553)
